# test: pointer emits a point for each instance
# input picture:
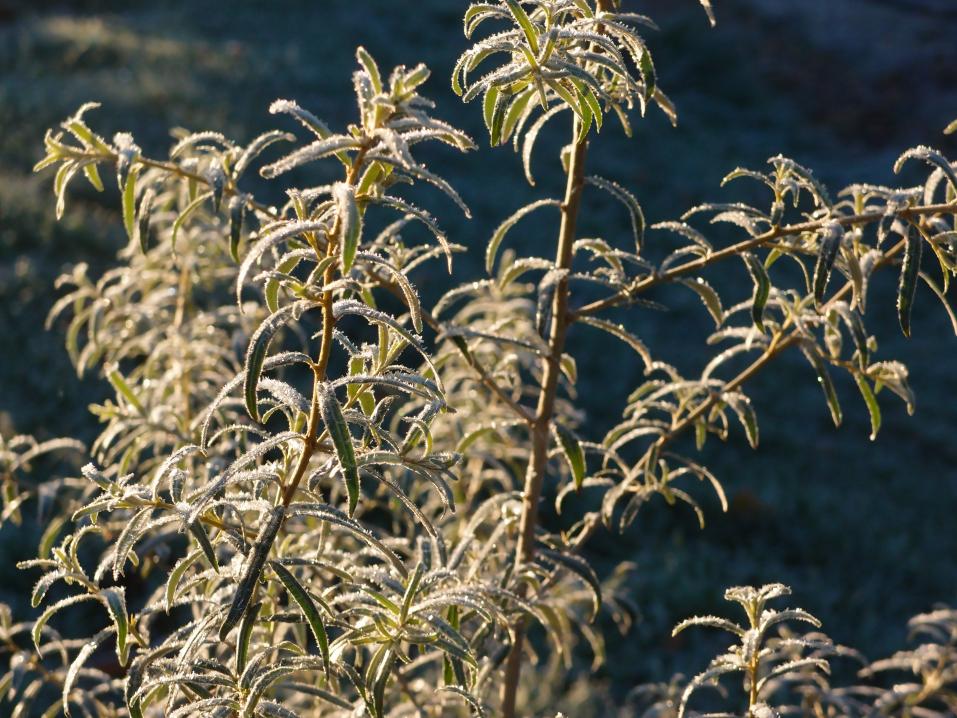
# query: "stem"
(182, 300)
(753, 667)
(541, 424)
(780, 342)
(311, 437)
(694, 265)
(228, 190)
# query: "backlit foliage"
(314, 496)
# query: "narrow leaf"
(631, 204)
(830, 243)
(908, 280)
(115, 600)
(873, 408)
(930, 156)
(245, 634)
(762, 287)
(256, 353)
(573, 452)
(824, 379)
(252, 570)
(237, 208)
(342, 441)
(531, 34)
(499, 234)
(129, 202)
(350, 224)
(308, 608)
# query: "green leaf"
(405, 286)
(308, 608)
(119, 383)
(129, 202)
(568, 98)
(237, 208)
(216, 178)
(624, 335)
(741, 405)
(131, 533)
(378, 672)
(50, 534)
(787, 166)
(176, 575)
(82, 656)
(497, 124)
(146, 209)
(306, 118)
(115, 600)
(342, 441)
(350, 224)
(252, 570)
(499, 234)
(830, 243)
(646, 67)
(531, 34)
(824, 379)
(337, 145)
(199, 533)
(184, 215)
(256, 353)
(528, 145)
(257, 147)
(370, 66)
(584, 126)
(350, 306)
(573, 452)
(762, 287)
(588, 95)
(44, 618)
(245, 634)
(930, 156)
(709, 296)
(664, 104)
(631, 204)
(489, 103)
(907, 287)
(410, 591)
(515, 112)
(285, 266)
(873, 408)
(93, 175)
(581, 568)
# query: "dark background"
(864, 532)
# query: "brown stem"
(753, 667)
(541, 424)
(781, 342)
(695, 265)
(311, 437)
(230, 189)
(319, 368)
(182, 300)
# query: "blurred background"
(864, 532)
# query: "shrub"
(313, 495)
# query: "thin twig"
(695, 265)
